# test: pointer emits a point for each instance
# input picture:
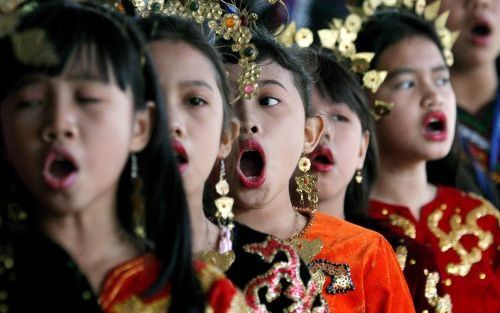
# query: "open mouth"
(480, 32)
(181, 155)
(251, 164)
(434, 126)
(322, 159)
(60, 170)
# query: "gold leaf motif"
(223, 261)
(328, 37)
(361, 61)
(307, 249)
(382, 108)
(373, 79)
(451, 240)
(432, 10)
(32, 47)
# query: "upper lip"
(481, 21)
(180, 150)
(251, 145)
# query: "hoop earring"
(306, 184)
(138, 220)
(359, 176)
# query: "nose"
(248, 120)
(176, 119)
(478, 4)
(328, 131)
(60, 122)
(431, 98)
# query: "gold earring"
(359, 176)
(137, 199)
(306, 183)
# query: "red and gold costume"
(459, 235)
(357, 266)
(126, 285)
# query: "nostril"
(253, 129)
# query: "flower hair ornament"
(340, 37)
(227, 21)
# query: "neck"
(94, 238)
(475, 87)
(333, 206)
(204, 233)
(404, 185)
(277, 218)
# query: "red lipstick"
(434, 126)
(251, 167)
(182, 158)
(60, 170)
(322, 159)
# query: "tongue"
(251, 163)
(61, 169)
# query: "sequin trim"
(339, 274)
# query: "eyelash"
(338, 118)
(263, 99)
(192, 101)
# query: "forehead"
(414, 52)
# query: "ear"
(313, 131)
(142, 126)
(363, 148)
(229, 135)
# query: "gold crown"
(227, 21)
(342, 34)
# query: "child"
(80, 117)
(194, 82)
(346, 158)
(356, 267)
(460, 231)
(474, 77)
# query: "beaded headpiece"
(342, 34)
(227, 21)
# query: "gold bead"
(482, 276)
(425, 311)
(447, 282)
(413, 262)
(385, 212)
(426, 272)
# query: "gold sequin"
(413, 262)
(482, 276)
(447, 282)
(405, 224)
(402, 254)
(385, 212)
(441, 304)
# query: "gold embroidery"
(458, 230)
(134, 305)
(307, 249)
(223, 261)
(238, 304)
(405, 224)
(402, 254)
(207, 277)
(441, 304)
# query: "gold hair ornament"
(227, 21)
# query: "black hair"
(388, 27)
(176, 29)
(114, 43)
(337, 84)
(270, 50)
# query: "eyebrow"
(405, 70)
(197, 83)
(272, 82)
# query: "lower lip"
(436, 136)
(59, 184)
(182, 167)
(322, 168)
(480, 41)
(252, 182)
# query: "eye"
(339, 118)
(84, 99)
(443, 81)
(29, 103)
(269, 101)
(407, 84)
(196, 101)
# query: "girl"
(80, 116)
(461, 230)
(346, 158)
(474, 76)
(356, 267)
(194, 81)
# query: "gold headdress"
(227, 21)
(342, 34)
